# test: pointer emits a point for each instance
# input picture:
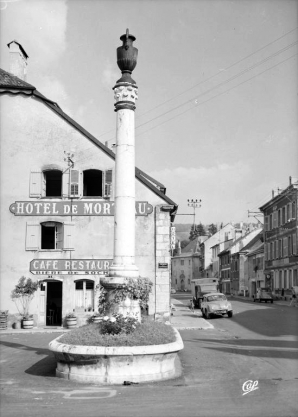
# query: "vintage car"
(263, 295)
(216, 304)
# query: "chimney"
(18, 60)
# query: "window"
(182, 262)
(289, 212)
(294, 210)
(53, 183)
(84, 295)
(97, 183)
(294, 244)
(47, 183)
(49, 236)
(289, 246)
(290, 279)
(280, 248)
(279, 218)
(283, 215)
(71, 183)
(92, 180)
(271, 222)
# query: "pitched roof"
(259, 237)
(9, 82)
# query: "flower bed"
(120, 331)
(106, 365)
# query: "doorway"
(54, 303)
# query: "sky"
(216, 118)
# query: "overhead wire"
(213, 88)
(206, 101)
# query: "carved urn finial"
(127, 58)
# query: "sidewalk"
(183, 318)
(278, 302)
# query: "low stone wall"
(114, 365)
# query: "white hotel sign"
(73, 208)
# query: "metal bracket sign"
(70, 266)
(73, 208)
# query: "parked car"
(263, 295)
(216, 304)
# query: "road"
(258, 344)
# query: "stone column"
(124, 220)
(125, 94)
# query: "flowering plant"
(135, 289)
(71, 316)
(117, 324)
(23, 294)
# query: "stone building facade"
(57, 209)
(280, 239)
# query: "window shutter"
(285, 246)
(32, 236)
(294, 244)
(290, 211)
(68, 236)
(65, 184)
(108, 175)
(274, 219)
(266, 223)
(35, 184)
(59, 236)
(75, 183)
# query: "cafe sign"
(70, 266)
(73, 208)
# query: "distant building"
(232, 264)
(280, 239)
(226, 233)
(187, 264)
(254, 272)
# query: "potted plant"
(22, 295)
(3, 319)
(71, 320)
(97, 318)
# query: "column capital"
(125, 96)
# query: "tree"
(212, 229)
(197, 230)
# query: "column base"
(127, 271)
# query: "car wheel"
(230, 314)
(207, 315)
(271, 301)
(203, 314)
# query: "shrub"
(146, 333)
(118, 324)
(23, 294)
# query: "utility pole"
(195, 204)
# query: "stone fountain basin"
(114, 365)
